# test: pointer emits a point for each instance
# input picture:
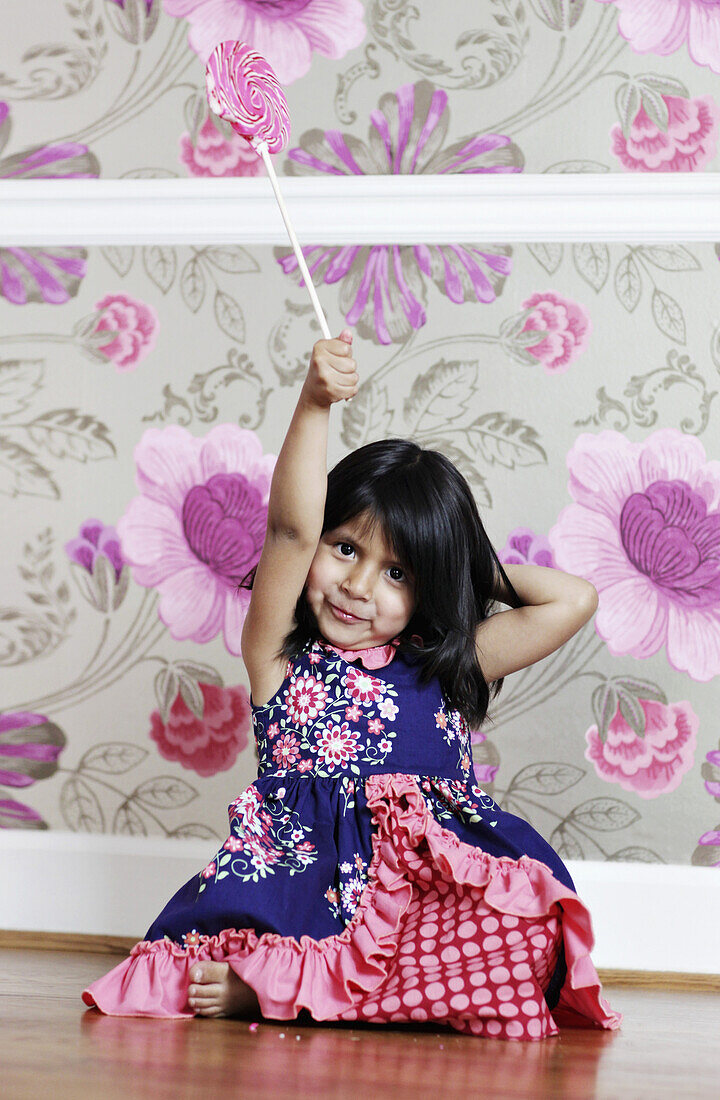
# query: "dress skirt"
(399, 907)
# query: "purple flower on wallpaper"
(98, 566)
(38, 274)
(712, 839)
(66, 160)
(30, 745)
(286, 32)
(95, 538)
(567, 326)
(662, 26)
(198, 527)
(688, 144)
(16, 815)
(383, 292)
(645, 530)
(133, 20)
(41, 275)
(524, 547)
(711, 775)
(653, 764)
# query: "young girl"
(366, 877)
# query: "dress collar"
(376, 657)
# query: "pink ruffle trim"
(332, 975)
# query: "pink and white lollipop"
(243, 89)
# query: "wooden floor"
(52, 1047)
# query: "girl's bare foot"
(216, 990)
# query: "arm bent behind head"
(555, 606)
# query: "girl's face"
(360, 594)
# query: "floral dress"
(367, 877)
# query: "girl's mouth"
(345, 616)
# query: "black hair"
(429, 518)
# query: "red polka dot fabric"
(461, 963)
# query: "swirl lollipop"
(243, 89)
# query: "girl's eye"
(343, 546)
(396, 569)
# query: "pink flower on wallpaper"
(215, 155)
(383, 290)
(645, 530)
(688, 144)
(653, 764)
(286, 32)
(567, 325)
(662, 26)
(210, 744)
(524, 547)
(135, 325)
(198, 526)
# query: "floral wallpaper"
(144, 392)
(115, 88)
(139, 424)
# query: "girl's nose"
(358, 584)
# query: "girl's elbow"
(589, 600)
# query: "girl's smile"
(345, 616)
(360, 594)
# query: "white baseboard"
(645, 916)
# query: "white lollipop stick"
(262, 149)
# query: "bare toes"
(209, 973)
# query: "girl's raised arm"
(295, 514)
(556, 606)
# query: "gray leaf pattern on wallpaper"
(484, 56)
(184, 677)
(82, 810)
(57, 70)
(596, 815)
(643, 390)
(27, 635)
(64, 433)
(206, 389)
(440, 395)
(296, 329)
(161, 264)
(368, 67)
(592, 261)
(625, 692)
(439, 398)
